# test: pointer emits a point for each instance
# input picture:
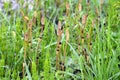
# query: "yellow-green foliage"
(18, 78)
(47, 68)
(14, 75)
(34, 71)
(1, 67)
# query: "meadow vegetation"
(60, 40)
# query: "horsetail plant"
(59, 43)
(91, 35)
(30, 35)
(26, 38)
(65, 52)
(38, 50)
(84, 19)
(25, 45)
(62, 64)
(67, 8)
(34, 71)
(80, 7)
(41, 31)
(47, 70)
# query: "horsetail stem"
(101, 4)
(84, 19)
(90, 45)
(80, 7)
(91, 32)
(79, 41)
(67, 39)
(30, 33)
(97, 13)
(22, 13)
(82, 36)
(37, 1)
(67, 8)
(25, 51)
(42, 25)
(26, 19)
(85, 55)
(57, 3)
(59, 33)
(23, 69)
(88, 39)
(35, 18)
(88, 5)
(80, 1)
(25, 45)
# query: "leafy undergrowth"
(60, 40)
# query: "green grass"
(97, 58)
